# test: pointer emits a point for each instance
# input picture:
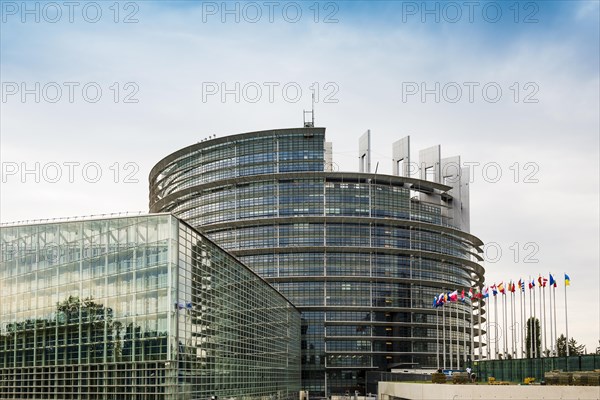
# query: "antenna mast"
(311, 123)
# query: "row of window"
(197, 318)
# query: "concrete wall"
(401, 152)
(414, 391)
(364, 152)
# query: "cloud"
(370, 56)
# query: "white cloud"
(170, 54)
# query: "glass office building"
(141, 307)
(360, 254)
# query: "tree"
(574, 348)
(561, 346)
(533, 324)
(598, 348)
(546, 353)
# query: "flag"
(435, 302)
(494, 289)
(453, 296)
(552, 281)
(567, 280)
(501, 288)
(188, 305)
(462, 296)
(511, 287)
(532, 284)
(179, 305)
(486, 292)
(521, 285)
(470, 293)
(542, 281)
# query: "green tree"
(561, 346)
(546, 353)
(533, 324)
(598, 348)
(575, 349)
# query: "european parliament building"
(360, 254)
(141, 307)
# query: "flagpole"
(519, 324)
(450, 338)
(566, 320)
(496, 327)
(487, 332)
(465, 337)
(544, 302)
(479, 326)
(530, 316)
(504, 311)
(471, 320)
(501, 328)
(507, 301)
(541, 319)
(512, 323)
(555, 332)
(534, 329)
(551, 333)
(444, 336)
(522, 307)
(437, 336)
(457, 339)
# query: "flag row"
(542, 282)
(511, 287)
(452, 297)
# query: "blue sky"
(364, 62)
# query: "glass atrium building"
(360, 254)
(140, 307)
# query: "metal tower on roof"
(311, 123)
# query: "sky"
(95, 93)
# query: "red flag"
(453, 296)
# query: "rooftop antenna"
(311, 123)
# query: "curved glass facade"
(359, 254)
(138, 308)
